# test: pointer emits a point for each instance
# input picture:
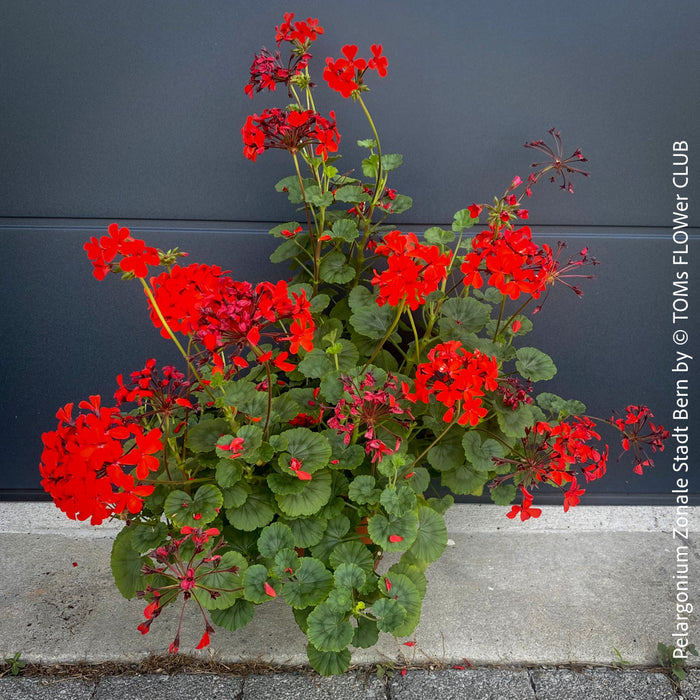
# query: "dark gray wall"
(132, 111)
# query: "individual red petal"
(204, 641)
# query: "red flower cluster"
(136, 255)
(289, 130)
(513, 263)
(346, 75)
(301, 33)
(414, 270)
(457, 379)
(184, 575)
(267, 70)
(224, 314)
(631, 426)
(83, 459)
(369, 409)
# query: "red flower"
(414, 270)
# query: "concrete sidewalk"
(567, 589)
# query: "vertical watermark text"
(681, 373)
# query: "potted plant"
(303, 436)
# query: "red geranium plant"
(301, 438)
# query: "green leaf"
(391, 161)
(354, 553)
(514, 423)
(534, 365)
(311, 448)
(558, 407)
(276, 231)
(317, 198)
(464, 481)
(235, 616)
(432, 536)
(366, 633)
(202, 436)
(254, 581)
(391, 615)
(398, 501)
(503, 495)
(257, 511)
(311, 584)
(307, 531)
(344, 229)
(480, 454)
(462, 220)
(372, 321)
(229, 472)
(362, 490)
(405, 592)
(290, 184)
(310, 500)
(448, 453)
(349, 576)
(287, 250)
(194, 511)
(400, 203)
(328, 629)
(334, 269)
(438, 236)
(229, 584)
(126, 564)
(244, 396)
(315, 364)
(468, 314)
(328, 663)
(351, 193)
(274, 537)
(147, 537)
(380, 529)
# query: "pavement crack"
(532, 684)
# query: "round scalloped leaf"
(349, 576)
(147, 537)
(196, 510)
(254, 580)
(311, 448)
(432, 535)
(328, 629)
(235, 616)
(385, 532)
(362, 489)
(228, 584)
(229, 472)
(328, 663)
(203, 436)
(307, 531)
(405, 592)
(534, 365)
(126, 565)
(354, 553)
(257, 511)
(479, 453)
(273, 538)
(398, 501)
(315, 494)
(311, 584)
(464, 481)
(286, 562)
(340, 600)
(390, 614)
(366, 633)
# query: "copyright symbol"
(680, 337)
